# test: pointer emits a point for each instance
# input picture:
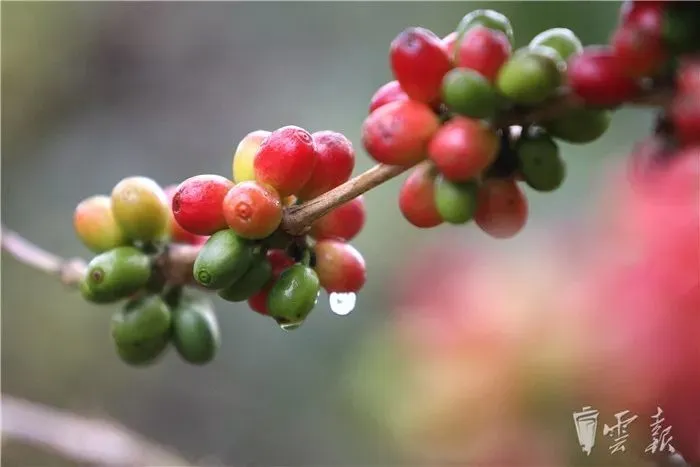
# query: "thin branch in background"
(80, 439)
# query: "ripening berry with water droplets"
(340, 267)
(539, 161)
(531, 75)
(96, 226)
(118, 273)
(468, 93)
(599, 79)
(388, 92)
(252, 210)
(197, 203)
(483, 50)
(141, 208)
(177, 233)
(580, 126)
(419, 61)
(463, 147)
(293, 295)
(244, 155)
(286, 160)
(416, 197)
(638, 52)
(335, 160)
(490, 19)
(342, 223)
(502, 208)
(398, 133)
(563, 40)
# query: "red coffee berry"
(483, 50)
(419, 61)
(340, 267)
(647, 16)
(398, 133)
(417, 200)
(598, 78)
(501, 208)
(450, 42)
(177, 233)
(638, 52)
(389, 92)
(335, 160)
(252, 210)
(285, 160)
(196, 204)
(258, 302)
(685, 115)
(688, 77)
(463, 147)
(279, 260)
(342, 223)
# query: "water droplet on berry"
(342, 303)
(290, 326)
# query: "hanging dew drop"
(290, 326)
(342, 303)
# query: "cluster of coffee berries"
(128, 231)
(248, 256)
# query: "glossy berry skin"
(417, 200)
(196, 204)
(293, 295)
(252, 210)
(399, 133)
(419, 61)
(531, 76)
(245, 153)
(141, 320)
(638, 52)
(118, 273)
(539, 162)
(342, 223)
(140, 206)
(96, 226)
(563, 40)
(483, 50)
(177, 233)
(463, 147)
(468, 93)
(456, 202)
(597, 77)
(580, 126)
(488, 18)
(335, 160)
(286, 160)
(195, 331)
(502, 208)
(258, 302)
(223, 260)
(254, 280)
(279, 260)
(388, 92)
(340, 267)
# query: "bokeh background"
(96, 91)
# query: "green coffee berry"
(539, 161)
(294, 294)
(223, 259)
(254, 279)
(196, 334)
(96, 297)
(468, 93)
(117, 273)
(142, 353)
(531, 75)
(580, 126)
(141, 320)
(487, 18)
(455, 202)
(141, 208)
(563, 40)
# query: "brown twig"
(177, 262)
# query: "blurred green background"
(93, 92)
